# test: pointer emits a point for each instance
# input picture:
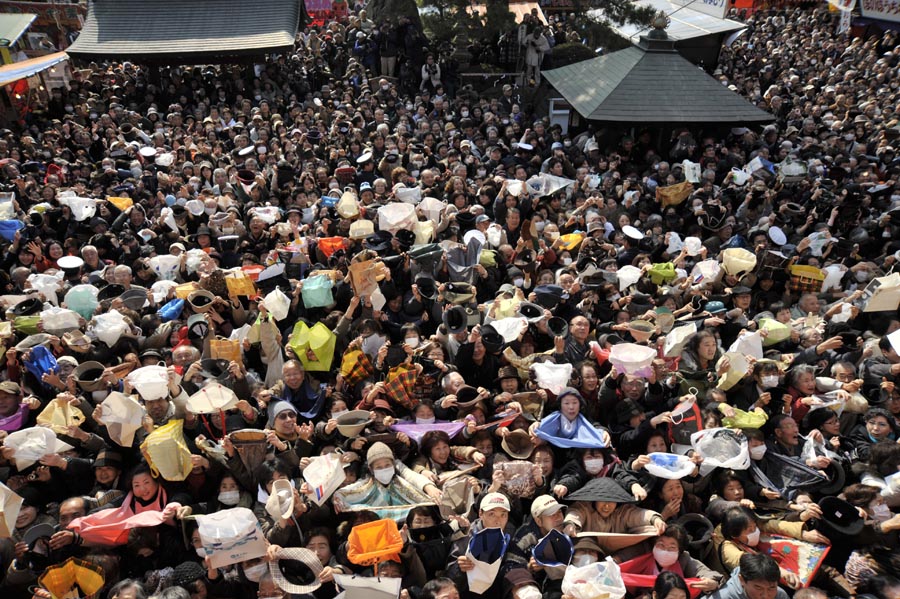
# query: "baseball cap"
(492, 500)
(545, 505)
(13, 389)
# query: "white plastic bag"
(632, 359)
(739, 177)
(31, 444)
(166, 266)
(675, 244)
(122, 416)
(152, 382)
(278, 304)
(721, 448)
(396, 216)
(49, 285)
(109, 327)
(268, 214)
(82, 208)
(160, 290)
(669, 465)
(600, 580)
(59, 320)
(193, 260)
(707, 271)
(553, 377)
(231, 536)
(628, 275)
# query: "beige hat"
(377, 451)
(352, 423)
(280, 504)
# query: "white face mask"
(566, 261)
(539, 226)
(881, 512)
(753, 538)
(593, 465)
(529, 592)
(769, 381)
(371, 344)
(757, 453)
(425, 420)
(664, 558)
(413, 342)
(254, 573)
(585, 559)
(229, 497)
(384, 475)
(518, 282)
(201, 552)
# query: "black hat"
(110, 291)
(602, 489)
(492, 340)
(549, 296)
(558, 326)
(530, 311)
(28, 307)
(466, 221)
(466, 396)
(379, 241)
(187, 572)
(426, 285)
(455, 319)
(214, 369)
(406, 238)
(840, 517)
(108, 458)
(626, 409)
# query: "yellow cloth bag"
(167, 453)
(122, 204)
(313, 346)
(225, 349)
(240, 284)
(59, 415)
(185, 289)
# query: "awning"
(686, 23)
(26, 68)
(13, 25)
(518, 9)
(186, 31)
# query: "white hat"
(364, 157)
(70, 262)
(777, 236)
(492, 500)
(147, 152)
(280, 504)
(632, 233)
(195, 207)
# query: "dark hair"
(321, 531)
(666, 582)
(722, 478)
(735, 521)
(759, 566)
(860, 495)
(873, 413)
(265, 472)
(884, 458)
(434, 586)
(430, 440)
(677, 532)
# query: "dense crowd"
(418, 333)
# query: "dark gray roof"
(650, 83)
(185, 31)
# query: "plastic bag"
(225, 349)
(59, 415)
(193, 260)
(48, 285)
(316, 292)
(742, 419)
(167, 452)
(518, 479)
(59, 320)
(319, 340)
(110, 327)
(633, 359)
(669, 465)
(721, 448)
(83, 299)
(553, 377)
(31, 444)
(396, 216)
(240, 284)
(325, 474)
(628, 276)
(152, 382)
(171, 310)
(122, 416)
(600, 580)
(278, 304)
(348, 206)
(166, 266)
(706, 271)
(231, 536)
(373, 542)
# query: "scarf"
(14, 422)
(307, 401)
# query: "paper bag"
(225, 349)
(363, 277)
(59, 415)
(240, 284)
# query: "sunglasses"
(286, 415)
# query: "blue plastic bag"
(8, 228)
(40, 362)
(171, 310)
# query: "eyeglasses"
(286, 415)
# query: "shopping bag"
(59, 320)
(486, 550)
(239, 284)
(278, 304)
(152, 382)
(225, 349)
(374, 542)
(109, 327)
(397, 216)
(231, 536)
(721, 448)
(122, 416)
(59, 415)
(166, 266)
(363, 277)
(742, 419)
(687, 419)
(167, 453)
(356, 366)
(806, 279)
(632, 359)
(316, 292)
(185, 289)
(313, 346)
(324, 474)
(171, 310)
(669, 465)
(600, 580)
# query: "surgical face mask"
(566, 261)
(339, 413)
(518, 282)
(593, 465)
(371, 344)
(425, 420)
(384, 475)
(753, 538)
(254, 573)
(413, 342)
(210, 211)
(769, 381)
(385, 87)
(464, 113)
(539, 226)
(664, 558)
(229, 497)
(881, 512)
(585, 559)
(201, 552)
(757, 453)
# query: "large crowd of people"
(418, 333)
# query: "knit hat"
(277, 407)
(377, 451)
(186, 573)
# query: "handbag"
(806, 279)
(240, 284)
(225, 349)
(167, 453)
(231, 536)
